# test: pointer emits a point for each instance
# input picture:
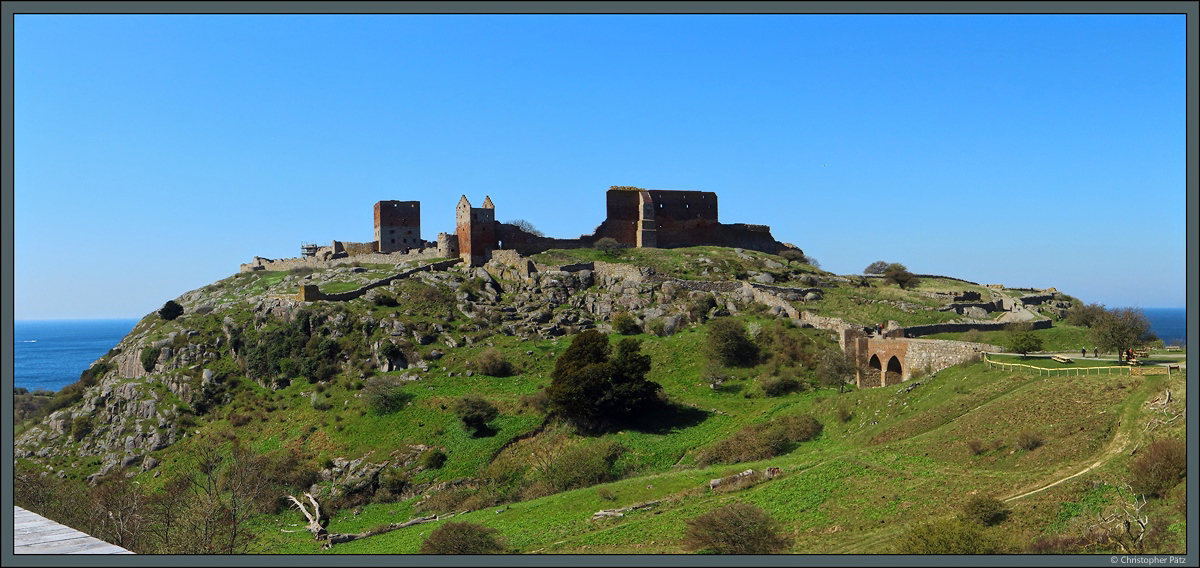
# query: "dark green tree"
(170, 310)
(899, 275)
(593, 392)
(729, 345)
(1022, 340)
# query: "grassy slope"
(902, 457)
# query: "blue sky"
(155, 153)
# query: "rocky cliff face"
(165, 372)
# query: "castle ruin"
(635, 217)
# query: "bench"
(1062, 359)
(1172, 367)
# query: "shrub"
(728, 344)
(624, 324)
(985, 511)
(698, 308)
(608, 245)
(1159, 467)
(474, 412)
(462, 538)
(778, 386)
(795, 255)
(1029, 440)
(81, 426)
(976, 447)
(949, 536)
(491, 362)
(538, 401)
(1022, 341)
(385, 394)
(834, 369)
(844, 412)
(170, 310)
(763, 440)
(738, 528)
(149, 358)
(433, 459)
(658, 327)
(582, 465)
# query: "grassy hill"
(242, 368)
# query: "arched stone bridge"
(883, 361)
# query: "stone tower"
(398, 226)
(476, 230)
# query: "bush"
(763, 440)
(779, 386)
(985, 511)
(1029, 440)
(624, 324)
(1022, 341)
(844, 412)
(728, 344)
(170, 310)
(739, 528)
(976, 447)
(795, 255)
(474, 412)
(538, 401)
(384, 395)
(608, 245)
(583, 465)
(81, 426)
(698, 309)
(658, 327)
(491, 362)
(1159, 467)
(462, 538)
(949, 536)
(149, 358)
(433, 459)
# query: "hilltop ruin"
(635, 217)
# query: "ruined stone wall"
(310, 292)
(260, 263)
(679, 206)
(930, 329)
(358, 249)
(932, 355)
(398, 225)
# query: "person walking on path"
(1083, 352)
(1095, 353)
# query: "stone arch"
(872, 374)
(894, 373)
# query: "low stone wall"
(930, 329)
(260, 263)
(310, 293)
(609, 271)
(932, 355)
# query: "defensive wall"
(311, 292)
(930, 329)
(260, 263)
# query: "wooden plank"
(35, 534)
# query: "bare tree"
(1126, 527)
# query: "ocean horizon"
(50, 354)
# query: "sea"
(51, 354)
